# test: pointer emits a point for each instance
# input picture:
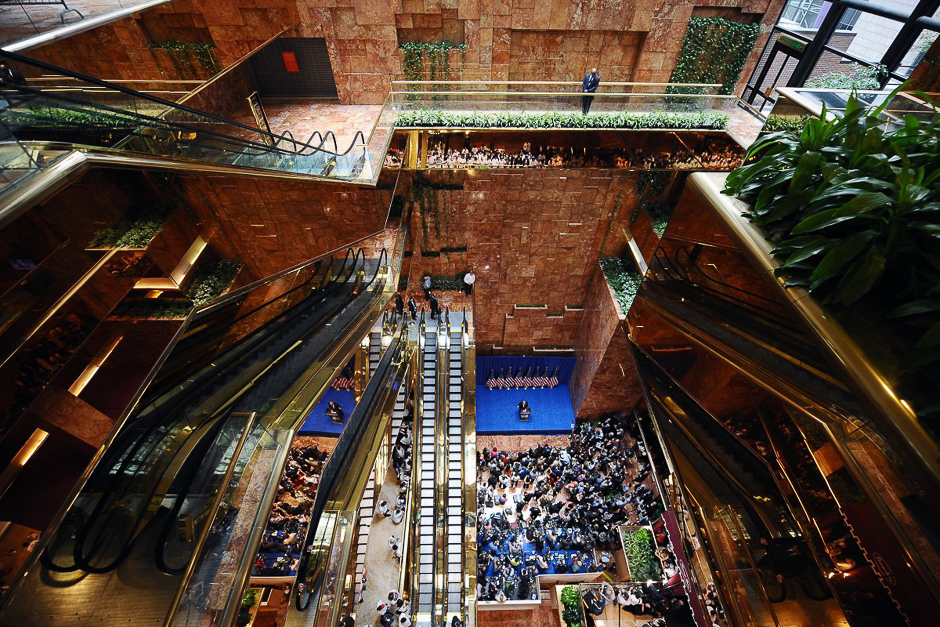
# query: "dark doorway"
(294, 67)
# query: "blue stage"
(318, 423)
(498, 411)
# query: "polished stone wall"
(506, 39)
(533, 238)
(273, 224)
(604, 378)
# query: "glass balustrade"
(94, 115)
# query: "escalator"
(136, 123)
(158, 483)
(159, 452)
(454, 477)
(759, 341)
(725, 475)
(427, 472)
(322, 589)
(731, 471)
(438, 551)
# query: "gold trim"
(871, 384)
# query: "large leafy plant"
(571, 600)
(853, 206)
(641, 560)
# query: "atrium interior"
(446, 313)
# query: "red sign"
(290, 62)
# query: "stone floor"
(302, 118)
(382, 567)
(744, 126)
(543, 616)
(20, 22)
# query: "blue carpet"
(498, 410)
(317, 421)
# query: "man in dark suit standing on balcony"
(589, 85)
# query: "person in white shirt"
(468, 280)
(398, 515)
(393, 541)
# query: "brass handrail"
(618, 83)
(559, 93)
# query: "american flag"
(342, 383)
(491, 382)
(501, 381)
(554, 380)
(528, 381)
(537, 379)
(543, 379)
(520, 379)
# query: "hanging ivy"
(427, 199)
(714, 50)
(429, 61)
(182, 54)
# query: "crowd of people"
(283, 537)
(716, 155)
(640, 600)
(401, 462)
(556, 509)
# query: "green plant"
(134, 230)
(148, 308)
(641, 560)
(854, 211)
(181, 54)
(423, 118)
(447, 283)
(428, 61)
(660, 213)
(571, 599)
(714, 50)
(623, 279)
(44, 117)
(776, 123)
(211, 280)
(860, 77)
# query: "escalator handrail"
(131, 92)
(678, 272)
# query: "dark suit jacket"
(590, 82)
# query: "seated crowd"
(548, 509)
(284, 535)
(717, 155)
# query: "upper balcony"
(549, 105)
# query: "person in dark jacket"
(399, 305)
(589, 85)
(435, 307)
(413, 308)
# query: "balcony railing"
(544, 104)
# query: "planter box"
(626, 530)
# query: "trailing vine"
(429, 61)
(650, 188)
(182, 53)
(714, 50)
(428, 201)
